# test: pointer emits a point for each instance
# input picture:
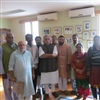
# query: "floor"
(61, 97)
(51, 97)
(2, 97)
(64, 97)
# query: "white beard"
(23, 50)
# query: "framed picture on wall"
(87, 25)
(78, 28)
(94, 33)
(69, 39)
(85, 35)
(46, 31)
(68, 30)
(56, 30)
(90, 43)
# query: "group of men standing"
(17, 68)
(21, 65)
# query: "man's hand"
(54, 55)
(79, 71)
(13, 79)
(33, 75)
(48, 56)
(88, 73)
(4, 76)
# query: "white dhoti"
(49, 77)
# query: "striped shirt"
(93, 57)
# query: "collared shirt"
(73, 47)
(13, 45)
(34, 51)
(93, 58)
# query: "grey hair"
(49, 36)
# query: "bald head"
(10, 38)
(22, 46)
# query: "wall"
(64, 20)
(17, 29)
(5, 23)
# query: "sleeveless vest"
(48, 64)
(7, 51)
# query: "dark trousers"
(35, 79)
(94, 92)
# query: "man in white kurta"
(20, 69)
(34, 51)
(49, 74)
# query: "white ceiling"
(34, 7)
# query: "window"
(32, 28)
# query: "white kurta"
(22, 65)
(35, 53)
(49, 77)
(1, 66)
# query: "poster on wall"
(90, 43)
(46, 31)
(69, 40)
(78, 28)
(86, 35)
(57, 31)
(87, 25)
(94, 33)
(68, 30)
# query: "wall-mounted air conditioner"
(46, 17)
(82, 12)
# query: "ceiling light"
(12, 12)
